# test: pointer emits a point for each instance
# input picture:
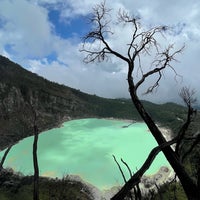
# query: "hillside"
(21, 92)
(54, 103)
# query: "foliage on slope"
(55, 103)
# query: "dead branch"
(142, 43)
(137, 191)
(35, 159)
(187, 96)
(198, 174)
(120, 169)
(161, 62)
(4, 157)
(136, 178)
(122, 173)
(192, 146)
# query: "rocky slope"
(22, 93)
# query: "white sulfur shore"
(164, 175)
(93, 191)
(147, 183)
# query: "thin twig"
(122, 173)
(135, 179)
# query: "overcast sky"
(44, 36)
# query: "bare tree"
(35, 159)
(188, 98)
(4, 156)
(143, 42)
(135, 186)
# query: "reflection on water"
(85, 147)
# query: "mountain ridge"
(21, 91)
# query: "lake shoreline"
(164, 174)
(147, 182)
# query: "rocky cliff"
(22, 93)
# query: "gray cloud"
(28, 38)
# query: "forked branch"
(136, 178)
(161, 62)
(4, 156)
(143, 42)
(188, 98)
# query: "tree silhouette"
(143, 42)
(35, 159)
(4, 157)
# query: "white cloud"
(26, 29)
(27, 35)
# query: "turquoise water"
(85, 148)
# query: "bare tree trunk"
(141, 43)
(4, 157)
(187, 182)
(35, 162)
(189, 186)
(135, 179)
(198, 175)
